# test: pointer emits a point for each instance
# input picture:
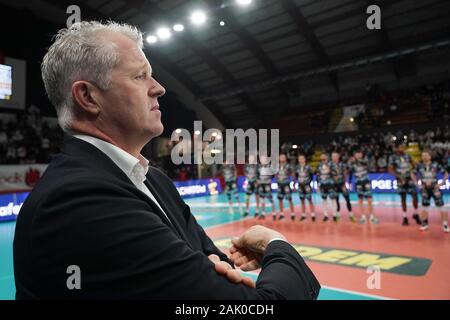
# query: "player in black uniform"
(229, 174)
(325, 185)
(401, 166)
(251, 173)
(427, 173)
(339, 174)
(304, 174)
(284, 189)
(265, 175)
(359, 168)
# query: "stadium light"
(214, 134)
(164, 33)
(197, 132)
(222, 23)
(198, 17)
(219, 137)
(151, 39)
(178, 27)
(352, 120)
(178, 131)
(243, 2)
(294, 146)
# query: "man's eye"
(142, 76)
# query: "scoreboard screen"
(5, 82)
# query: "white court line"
(358, 293)
(338, 289)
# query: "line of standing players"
(333, 179)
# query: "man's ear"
(85, 94)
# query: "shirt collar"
(125, 161)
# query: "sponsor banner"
(20, 177)
(10, 205)
(390, 263)
(381, 183)
(195, 188)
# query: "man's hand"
(247, 251)
(231, 274)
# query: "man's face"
(251, 159)
(324, 158)
(302, 160)
(400, 149)
(358, 155)
(426, 157)
(130, 107)
(335, 157)
(263, 160)
(282, 158)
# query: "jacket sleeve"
(125, 251)
(208, 245)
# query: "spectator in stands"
(11, 154)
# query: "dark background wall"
(25, 36)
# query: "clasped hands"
(246, 253)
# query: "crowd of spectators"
(433, 100)
(28, 139)
(378, 146)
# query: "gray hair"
(79, 53)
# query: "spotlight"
(151, 39)
(222, 23)
(219, 137)
(294, 146)
(243, 2)
(178, 131)
(197, 132)
(214, 134)
(164, 33)
(178, 27)
(198, 17)
(352, 120)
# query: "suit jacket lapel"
(79, 148)
(173, 219)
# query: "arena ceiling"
(274, 56)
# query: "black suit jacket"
(85, 211)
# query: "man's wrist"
(275, 239)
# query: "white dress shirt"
(134, 168)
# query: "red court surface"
(422, 258)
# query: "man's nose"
(156, 89)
